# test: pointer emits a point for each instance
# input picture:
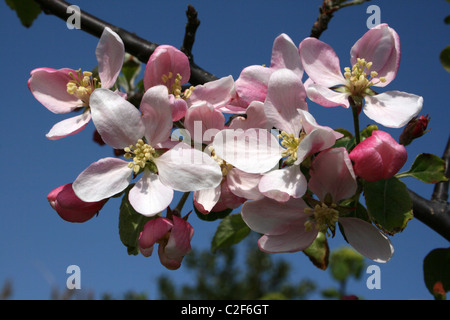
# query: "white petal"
(149, 196)
(117, 120)
(252, 150)
(102, 179)
(367, 240)
(283, 183)
(296, 238)
(207, 198)
(393, 109)
(185, 169)
(110, 53)
(271, 217)
(327, 97)
(69, 126)
(285, 94)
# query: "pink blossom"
(253, 81)
(378, 157)
(141, 135)
(65, 90)
(203, 123)
(259, 151)
(173, 236)
(71, 208)
(293, 226)
(375, 59)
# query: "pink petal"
(244, 184)
(317, 140)
(117, 120)
(252, 83)
(256, 118)
(203, 122)
(295, 238)
(69, 126)
(367, 240)
(179, 243)
(153, 231)
(285, 95)
(393, 109)
(285, 55)
(268, 216)
(186, 169)
(309, 124)
(149, 196)
(110, 53)
(381, 46)
(332, 172)
(156, 114)
(252, 150)
(102, 179)
(178, 107)
(49, 87)
(320, 62)
(216, 93)
(283, 183)
(166, 59)
(326, 97)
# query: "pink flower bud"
(378, 157)
(71, 208)
(414, 129)
(173, 236)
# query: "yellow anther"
(82, 85)
(224, 166)
(141, 154)
(357, 79)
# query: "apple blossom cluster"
(249, 143)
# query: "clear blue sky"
(36, 246)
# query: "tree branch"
(134, 45)
(435, 213)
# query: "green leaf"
(131, 224)
(318, 252)
(445, 58)
(388, 204)
(426, 167)
(27, 10)
(231, 230)
(436, 266)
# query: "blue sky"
(36, 246)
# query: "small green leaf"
(27, 10)
(445, 58)
(388, 204)
(436, 266)
(426, 167)
(318, 252)
(231, 230)
(131, 224)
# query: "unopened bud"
(415, 128)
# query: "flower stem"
(181, 203)
(356, 108)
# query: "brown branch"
(134, 45)
(191, 28)
(326, 11)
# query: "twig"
(134, 45)
(191, 28)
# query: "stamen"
(82, 85)
(322, 217)
(224, 166)
(141, 153)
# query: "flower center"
(224, 166)
(291, 144)
(142, 154)
(360, 78)
(82, 85)
(176, 88)
(322, 217)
